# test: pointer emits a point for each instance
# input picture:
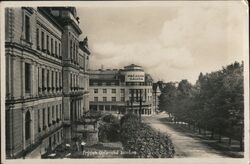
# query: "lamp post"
(140, 107)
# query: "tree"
(167, 98)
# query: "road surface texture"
(186, 144)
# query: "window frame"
(27, 84)
(113, 99)
(113, 91)
(27, 33)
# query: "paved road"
(185, 145)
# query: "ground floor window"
(27, 125)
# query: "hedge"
(142, 139)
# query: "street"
(185, 145)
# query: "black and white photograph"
(153, 81)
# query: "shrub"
(109, 118)
(142, 139)
(109, 131)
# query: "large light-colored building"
(46, 78)
(121, 91)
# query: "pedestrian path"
(185, 145)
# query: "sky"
(170, 40)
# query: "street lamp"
(140, 106)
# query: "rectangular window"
(37, 39)
(56, 81)
(48, 86)
(60, 111)
(71, 48)
(53, 113)
(43, 48)
(38, 120)
(52, 80)
(27, 28)
(122, 99)
(104, 99)
(27, 78)
(56, 48)
(52, 46)
(43, 117)
(59, 49)
(95, 90)
(56, 111)
(38, 79)
(122, 90)
(113, 90)
(58, 134)
(113, 99)
(60, 80)
(43, 78)
(48, 43)
(95, 99)
(71, 80)
(104, 90)
(48, 116)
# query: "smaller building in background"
(121, 91)
(156, 94)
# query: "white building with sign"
(121, 91)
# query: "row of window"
(49, 117)
(51, 80)
(104, 83)
(74, 52)
(53, 116)
(131, 91)
(112, 90)
(75, 82)
(55, 139)
(117, 83)
(48, 43)
(113, 99)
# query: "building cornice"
(49, 17)
(30, 50)
(35, 98)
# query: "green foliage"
(140, 138)
(215, 102)
(109, 118)
(109, 130)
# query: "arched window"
(27, 125)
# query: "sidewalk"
(190, 144)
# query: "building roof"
(133, 67)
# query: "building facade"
(156, 94)
(46, 78)
(121, 91)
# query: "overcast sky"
(172, 41)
